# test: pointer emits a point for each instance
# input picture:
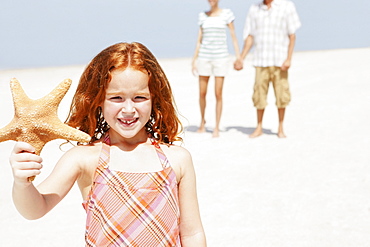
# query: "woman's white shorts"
(215, 67)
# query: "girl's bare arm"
(191, 228)
(33, 202)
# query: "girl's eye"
(140, 98)
(116, 98)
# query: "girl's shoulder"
(175, 150)
(86, 148)
(179, 159)
(84, 154)
(177, 154)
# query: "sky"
(41, 33)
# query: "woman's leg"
(203, 85)
(219, 83)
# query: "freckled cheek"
(110, 109)
(147, 110)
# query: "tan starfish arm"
(20, 98)
(39, 139)
(63, 131)
(36, 121)
(55, 97)
(9, 133)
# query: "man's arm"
(286, 65)
(248, 43)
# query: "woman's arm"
(32, 202)
(196, 53)
(248, 43)
(235, 40)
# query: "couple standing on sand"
(270, 27)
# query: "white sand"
(310, 189)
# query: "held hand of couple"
(238, 65)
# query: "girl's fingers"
(21, 147)
(27, 157)
(27, 166)
(24, 152)
(25, 174)
(22, 171)
(24, 162)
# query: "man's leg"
(282, 94)
(259, 98)
(281, 113)
(258, 131)
(203, 84)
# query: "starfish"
(36, 121)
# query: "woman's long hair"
(86, 114)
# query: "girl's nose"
(128, 107)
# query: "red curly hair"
(85, 113)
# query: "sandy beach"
(311, 189)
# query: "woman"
(211, 57)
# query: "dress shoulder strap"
(162, 157)
(105, 152)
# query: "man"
(270, 26)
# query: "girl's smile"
(127, 105)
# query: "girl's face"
(128, 105)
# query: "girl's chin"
(130, 134)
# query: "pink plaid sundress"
(132, 209)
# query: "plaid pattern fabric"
(270, 29)
(133, 209)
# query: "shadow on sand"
(193, 128)
(244, 130)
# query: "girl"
(138, 188)
(211, 53)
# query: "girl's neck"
(128, 144)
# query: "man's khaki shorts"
(279, 79)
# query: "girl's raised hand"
(24, 162)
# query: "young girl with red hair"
(138, 187)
